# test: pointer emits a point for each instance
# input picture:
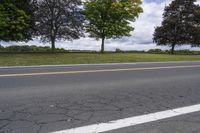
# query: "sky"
(140, 39)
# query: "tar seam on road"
(133, 121)
(97, 71)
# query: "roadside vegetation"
(87, 58)
(53, 20)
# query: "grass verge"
(88, 58)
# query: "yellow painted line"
(96, 71)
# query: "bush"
(156, 51)
(118, 50)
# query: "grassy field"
(87, 58)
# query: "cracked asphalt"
(182, 124)
(47, 103)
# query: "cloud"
(141, 38)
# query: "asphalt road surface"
(56, 98)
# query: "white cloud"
(141, 38)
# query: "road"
(55, 98)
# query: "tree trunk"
(102, 44)
(53, 44)
(173, 47)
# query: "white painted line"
(104, 64)
(132, 121)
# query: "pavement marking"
(132, 121)
(103, 64)
(97, 71)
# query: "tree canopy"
(58, 19)
(180, 25)
(107, 19)
(15, 21)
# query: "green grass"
(87, 58)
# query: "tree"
(107, 19)
(14, 22)
(58, 19)
(179, 25)
(196, 30)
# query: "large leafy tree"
(196, 28)
(107, 19)
(179, 26)
(15, 20)
(58, 19)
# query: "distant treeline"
(27, 48)
(185, 52)
(46, 49)
(160, 51)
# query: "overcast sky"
(141, 38)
